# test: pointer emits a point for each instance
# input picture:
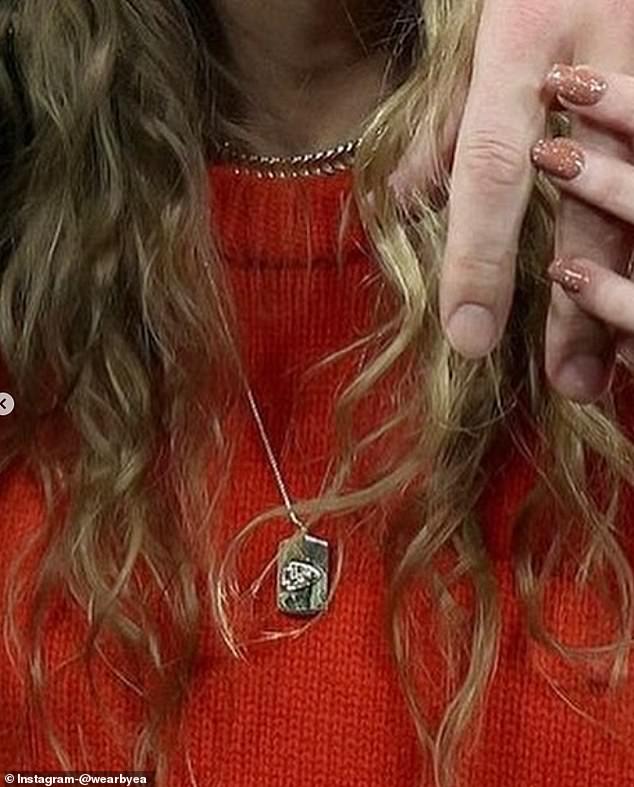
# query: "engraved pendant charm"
(302, 575)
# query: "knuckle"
(522, 23)
(481, 277)
(495, 161)
(536, 18)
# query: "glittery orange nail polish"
(571, 275)
(578, 85)
(559, 73)
(561, 157)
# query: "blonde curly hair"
(110, 110)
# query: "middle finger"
(603, 181)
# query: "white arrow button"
(6, 403)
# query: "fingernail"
(579, 85)
(561, 157)
(571, 275)
(472, 330)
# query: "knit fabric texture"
(324, 709)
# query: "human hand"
(505, 111)
(601, 180)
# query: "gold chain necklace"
(322, 162)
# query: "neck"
(310, 70)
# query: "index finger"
(492, 175)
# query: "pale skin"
(312, 83)
(505, 111)
(308, 66)
(608, 183)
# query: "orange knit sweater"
(324, 709)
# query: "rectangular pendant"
(302, 575)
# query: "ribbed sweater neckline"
(284, 222)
